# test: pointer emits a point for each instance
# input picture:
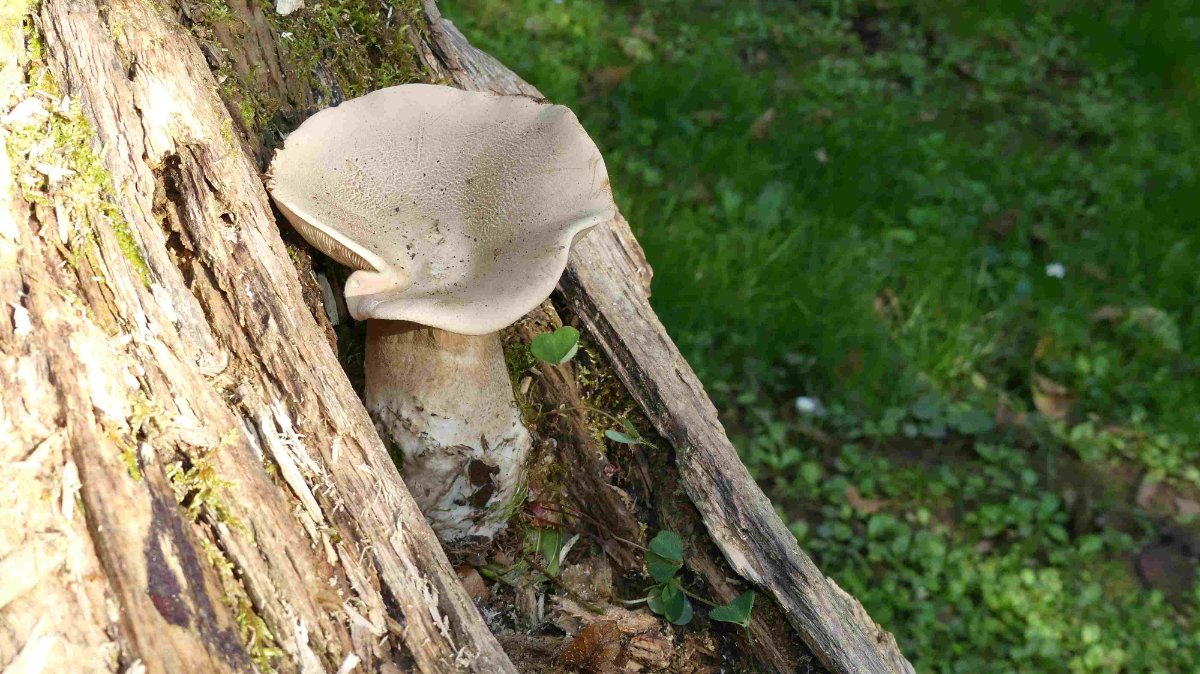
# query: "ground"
(937, 265)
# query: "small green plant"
(630, 436)
(549, 542)
(668, 598)
(556, 347)
(736, 611)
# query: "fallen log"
(195, 485)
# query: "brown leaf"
(821, 115)
(651, 650)
(591, 579)
(1108, 314)
(1007, 416)
(646, 34)
(863, 506)
(609, 77)
(594, 649)
(472, 582)
(1164, 568)
(570, 617)
(1095, 271)
(1051, 398)
(1186, 507)
(851, 365)
(761, 127)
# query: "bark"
(194, 484)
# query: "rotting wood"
(207, 362)
(591, 490)
(181, 348)
(605, 286)
(652, 484)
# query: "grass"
(968, 224)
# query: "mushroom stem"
(446, 402)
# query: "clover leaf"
(556, 347)
(736, 611)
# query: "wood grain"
(211, 366)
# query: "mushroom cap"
(457, 208)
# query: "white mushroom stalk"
(458, 210)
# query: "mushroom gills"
(330, 246)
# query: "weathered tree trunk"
(187, 477)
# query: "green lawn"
(927, 217)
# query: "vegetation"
(937, 264)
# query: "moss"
(216, 11)
(128, 245)
(83, 198)
(364, 44)
(199, 488)
(252, 629)
(12, 16)
(519, 361)
(130, 459)
(338, 49)
(604, 393)
(254, 108)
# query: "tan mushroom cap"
(458, 208)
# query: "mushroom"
(457, 210)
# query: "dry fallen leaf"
(821, 115)
(863, 506)
(473, 583)
(1051, 398)
(1146, 491)
(652, 651)
(27, 111)
(761, 127)
(1043, 347)
(54, 173)
(1186, 507)
(590, 579)
(595, 649)
(851, 365)
(570, 617)
(609, 77)
(1108, 314)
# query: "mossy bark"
(174, 414)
